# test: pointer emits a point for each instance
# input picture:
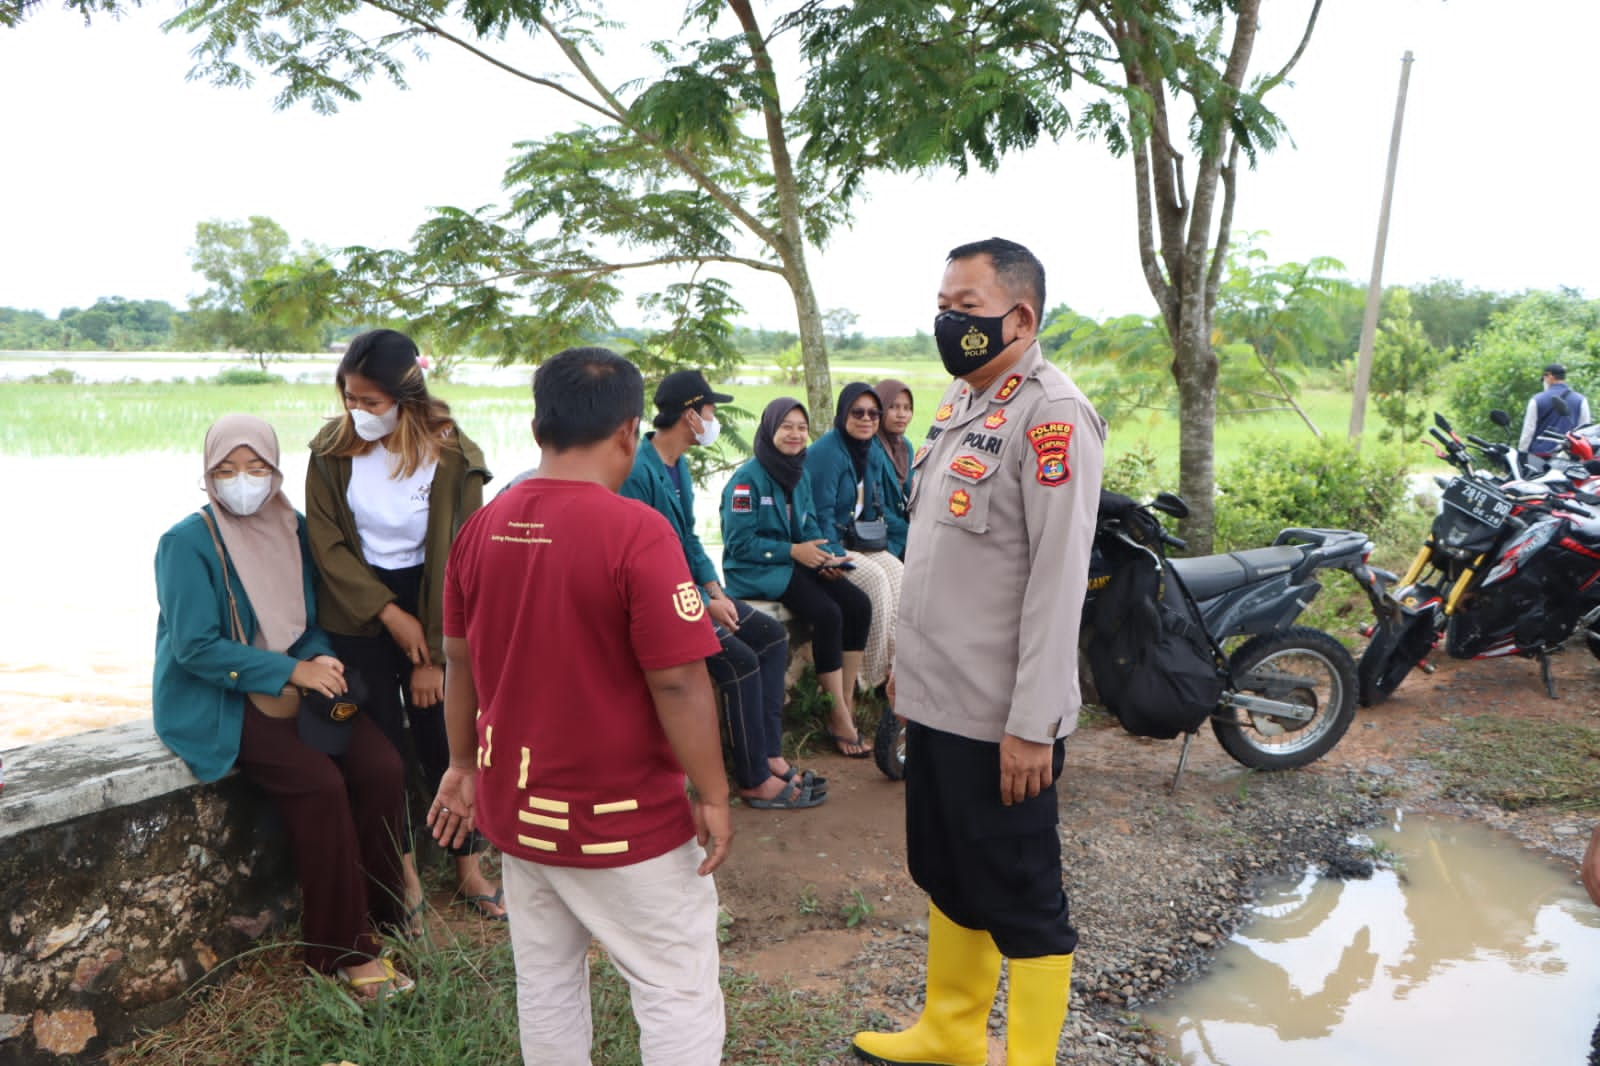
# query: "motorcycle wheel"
(1391, 655)
(1301, 666)
(889, 745)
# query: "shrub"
(56, 376)
(1297, 482)
(246, 375)
(1134, 473)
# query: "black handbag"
(869, 534)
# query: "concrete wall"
(123, 882)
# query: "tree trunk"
(1195, 368)
(791, 247)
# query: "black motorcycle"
(1287, 693)
(1511, 566)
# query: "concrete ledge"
(46, 783)
(123, 882)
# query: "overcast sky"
(111, 157)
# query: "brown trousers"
(343, 816)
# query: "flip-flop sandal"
(390, 983)
(795, 796)
(839, 743)
(818, 782)
(477, 902)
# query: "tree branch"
(679, 158)
(1300, 49)
(591, 272)
(439, 31)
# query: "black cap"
(686, 389)
(1557, 371)
(326, 722)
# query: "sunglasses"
(868, 413)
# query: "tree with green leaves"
(245, 308)
(686, 166)
(1164, 84)
(1405, 365)
(1501, 368)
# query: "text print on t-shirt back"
(522, 533)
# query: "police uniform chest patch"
(996, 420)
(960, 503)
(742, 503)
(1009, 389)
(969, 466)
(922, 453)
(1050, 441)
(687, 602)
(944, 412)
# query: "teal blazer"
(833, 485)
(896, 499)
(649, 483)
(202, 673)
(759, 523)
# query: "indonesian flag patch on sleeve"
(1050, 441)
(742, 502)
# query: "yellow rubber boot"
(963, 973)
(1036, 1009)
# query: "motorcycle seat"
(1212, 575)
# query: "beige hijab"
(264, 547)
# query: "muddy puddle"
(1472, 950)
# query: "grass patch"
(268, 1011)
(1516, 762)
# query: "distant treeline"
(1449, 313)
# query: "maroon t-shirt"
(566, 594)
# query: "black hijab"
(858, 449)
(786, 470)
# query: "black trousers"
(343, 815)
(840, 615)
(386, 673)
(985, 865)
(749, 672)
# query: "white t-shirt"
(391, 512)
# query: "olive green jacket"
(349, 594)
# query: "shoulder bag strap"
(233, 606)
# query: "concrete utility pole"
(1369, 321)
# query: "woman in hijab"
(850, 476)
(243, 677)
(897, 412)
(774, 548)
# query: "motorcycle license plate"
(1478, 500)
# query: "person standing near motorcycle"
(1545, 425)
(1003, 505)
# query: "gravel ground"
(1156, 890)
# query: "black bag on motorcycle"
(1153, 664)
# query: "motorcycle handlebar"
(1173, 542)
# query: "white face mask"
(369, 426)
(243, 494)
(710, 430)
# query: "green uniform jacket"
(650, 483)
(202, 673)
(833, 486)
(350, 593)
(759, 523)
(896, 497)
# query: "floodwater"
(77, 628)
(1477, 951)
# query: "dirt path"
(1157, 881)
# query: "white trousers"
(878, 575)
(657, 920)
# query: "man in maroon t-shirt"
(576, 699)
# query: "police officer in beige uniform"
(1003, 506)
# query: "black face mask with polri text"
(966, 342)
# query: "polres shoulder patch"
(1050, 441)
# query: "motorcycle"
(1289, 691)
(1511, 566)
